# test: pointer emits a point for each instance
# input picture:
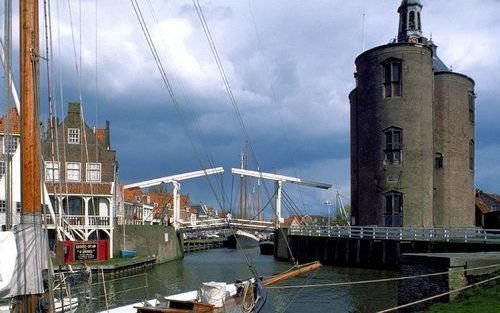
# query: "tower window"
(419, 23)
(393, 146)
(412, 20)
(438, 161)
(472, 100)
(392, 79)
(471, 155)
(393, 209)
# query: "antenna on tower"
(363, 35)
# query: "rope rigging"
(169, 88)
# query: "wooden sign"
(85, 252)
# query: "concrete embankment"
(158, 241)
(463, 269)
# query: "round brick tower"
(412, 134)
(392, 135)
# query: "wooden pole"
(291, 274)
(30, 163)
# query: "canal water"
(227, 265)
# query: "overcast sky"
(290, 65)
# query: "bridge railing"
(226, 223)
(453, 234)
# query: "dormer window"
(73, 135)
(392, 78)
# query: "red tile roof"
(14, 122)
(482, 206)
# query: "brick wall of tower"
(454, 129)
(413, 113)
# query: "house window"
(471, 155)
(438, 161)
(472, 100)
(74, 135)
(392, 79)
(72, 171)
(393, 209)
(3, 205)
(18, 207)
(51, 171)
(10, 144)
(393, 146)
(3, 168)
(94, 172)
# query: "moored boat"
(248, 296)
(266, 246)
(242, 240)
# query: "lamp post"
(328, 205)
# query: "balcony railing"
(452, 234)
(80, 221)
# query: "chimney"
(74, 108)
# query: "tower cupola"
(410, 26)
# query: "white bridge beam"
(279, 179)
(174, 180)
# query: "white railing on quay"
(452, 234)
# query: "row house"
(10, 165)
(80, 174)
(141, 207)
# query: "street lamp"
(328, 204)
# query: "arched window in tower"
(471, 155)
(412, 20)
(392, 79)
(393, 149)
(438, 161)
(472, 100)
(393, 215)
(419, 23)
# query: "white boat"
(242, 240)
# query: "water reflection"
(228, 265)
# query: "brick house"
(80, 175)
(140, 207)
(10, 157)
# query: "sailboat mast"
(30, 158)
(30, 162)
